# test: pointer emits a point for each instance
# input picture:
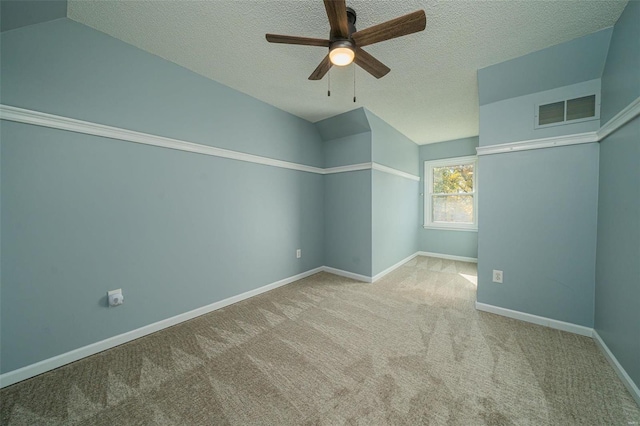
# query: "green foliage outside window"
(453, 179)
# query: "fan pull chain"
(329, 86)
(354, 82)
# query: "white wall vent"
(568, 111)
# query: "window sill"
(450, 228)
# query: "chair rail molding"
(553, 142)
(37, 118)
(627, 114)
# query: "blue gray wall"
(391, 148)
(347, 216)
(617, 291)
(346, 124)
(371, 216)
(82, 215)
(347, 196)
(456, 243)
(348, 150)
(394, 217)
(537, 223)
(394, 198)
(620, 81)
(538, 209)
(65, 68)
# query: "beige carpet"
(409, 349)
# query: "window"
(566, 112)
(451, 188)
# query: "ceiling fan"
(345, 42)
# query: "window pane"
(551, 113)
(453, 208)
(581, 107)
(454, 179)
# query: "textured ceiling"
(431, 93)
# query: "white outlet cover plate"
(497, 276)
(115, 297)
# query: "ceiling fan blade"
(321, 70)
(407, 24)
(337, 14)
(370, 64)
(306, 41)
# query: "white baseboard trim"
(448, 256)
(33, 370)
(49, 364)
(393, 267)
(572, 328)
(347, 274)
(365, 278)
(535, 319)
(390, 269)
(43, 366)
(620, 371)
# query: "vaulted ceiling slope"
(345, 124)
(19, 13)
(573, 62)
(431, 93)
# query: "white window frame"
(428, 194)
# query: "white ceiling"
(431, 93)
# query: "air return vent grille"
(551, 113)
(566, 112)
(581, 108)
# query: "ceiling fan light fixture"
(341, 53)
(345, 41)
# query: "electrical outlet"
(497, 276)
(298, 254)
(115, 297)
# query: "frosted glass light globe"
(341, 56)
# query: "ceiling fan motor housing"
(345, 43)
(342, 43)
(351, 24)
(351, 19)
